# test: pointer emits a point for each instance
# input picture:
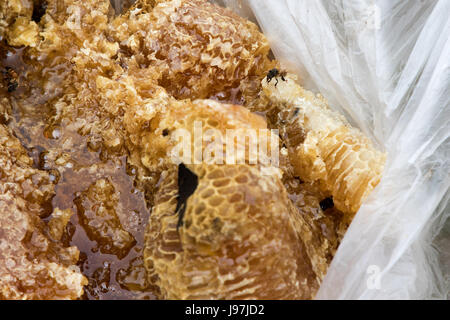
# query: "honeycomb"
(98, 100)
(262, 191)
(327, 150)
(320, 230)
(237, 240)
(214, 231)
(196, 49)
(96, 208)
(32, 265)
(16, 24)
(236, 211)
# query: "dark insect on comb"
(273, 73)
(326, 203)
(187, 183)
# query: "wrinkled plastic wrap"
(385, 65)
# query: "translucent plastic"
(384, 65)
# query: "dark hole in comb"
(187, 183)
(326, 203)
(39, 9)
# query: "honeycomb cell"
(340, 158)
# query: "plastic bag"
(385, 65)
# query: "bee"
(274, 73)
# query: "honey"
(93, 99)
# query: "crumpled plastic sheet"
(385, 65)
